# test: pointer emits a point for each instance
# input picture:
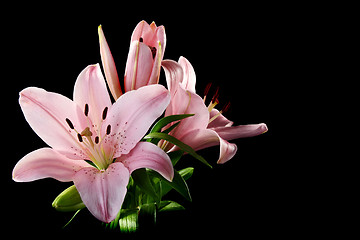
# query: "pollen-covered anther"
(86, 110)
(108, 129)
(104, 113)
(69, 123)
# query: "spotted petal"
(148, 155)
(131, 116)
(46, 113)
(103, 192)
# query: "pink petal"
(46, 113)
(138, 66)
(148, 155)
(46, 162)
(90, 88)
(131, 116)
(186, 102)
(142, 30)
(203, 138)
(189, 79)
(219, 121)
(103, 192)
(109, 66)
(174, 75)
(241, 131)
(161, 37)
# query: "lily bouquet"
(121, 155)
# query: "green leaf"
(186, 173)
(68, 201)
(167, 206)
(175, 156)
(166, 120)
(178, 183)
(178, 143)
(128, 221)
(72, 218)
(141, 178)
(147, 211)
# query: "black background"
(249, 51)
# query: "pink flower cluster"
(108, 135)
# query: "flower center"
(91, 141)
(214, 101)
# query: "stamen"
(97, 139)
(69, 123)
(216, 96)
(213, 104)
(225, 108)
(141, 39)
(104, 113)
(79, 137)
(108, 129)
(207, 89)
(86, 111)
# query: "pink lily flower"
(91, 128)
(208, 127)
(147, 47)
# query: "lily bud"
(68, 201)
(147, 47)
(109, 66)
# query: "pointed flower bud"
(68, 201)
(108, 63)
(147, 47)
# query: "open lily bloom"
(208, 127)
(147, 47)
(91, 128)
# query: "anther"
(141, 39)
(226, 108)
(207, 89)
(86, 111)
(97, 139)
(153, 51)
(104, 113)
(69, 123)
(108, 129)
(79, 137)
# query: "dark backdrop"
(246, 50)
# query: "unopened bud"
(68, 201)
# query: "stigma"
(90, 140)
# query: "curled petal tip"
(264, 128)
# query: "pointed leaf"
(186, 173)
(166, 206)
(141, 178)
(175, 156)
(72, 218)
(166, 120)
(178, 183)
(178, 143)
